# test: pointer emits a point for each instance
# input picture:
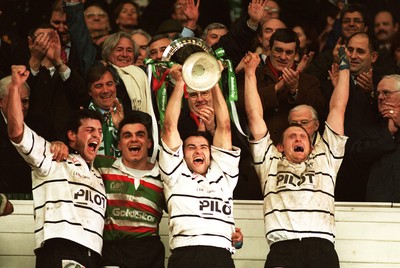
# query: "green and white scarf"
(109, 143)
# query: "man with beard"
(69, 197)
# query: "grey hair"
(395, 77)
(304, 106)
(212, 26)
(5, 83)
(111, 42)
(142, 32)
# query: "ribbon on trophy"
(232, 88)
(158, 73)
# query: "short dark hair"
(96, 72)
(158, 37)
(355, 7)
(75, 119)
(197, 133)
(284, 35)
(137, 117)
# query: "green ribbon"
(232, 86)
(109, 143)
(159, 71)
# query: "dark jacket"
(52, 101)
(277, 105)
(378, 149)
(15, 176)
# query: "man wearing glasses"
(198, 114)
(379, 146)
(306, 116)
(271, 11)
(353, 20)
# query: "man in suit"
(281, 86)
(15, 176)
(57, 89)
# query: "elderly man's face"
(304, 117)
(268, 29)
(199, 100)
(142, 42)
(24, 96)
(388, 94)
(123, 54)
(214, 35)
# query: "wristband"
(239, 244)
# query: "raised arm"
(222, 136)
(15, 116)
(170, 134)
(340, 95)
(240, 37)
(80, 36)
(254, 109)
(191, 11)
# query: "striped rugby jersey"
(200, 208)
(134, 205)
(299, 198)
(69, 197)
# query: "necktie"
(64, 55)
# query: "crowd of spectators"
(305, 113)
(62, 42)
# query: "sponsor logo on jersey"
(287, 179)
(215, 206)
(88, 196)
(119, 187)
(79, 175)
(133, 214)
